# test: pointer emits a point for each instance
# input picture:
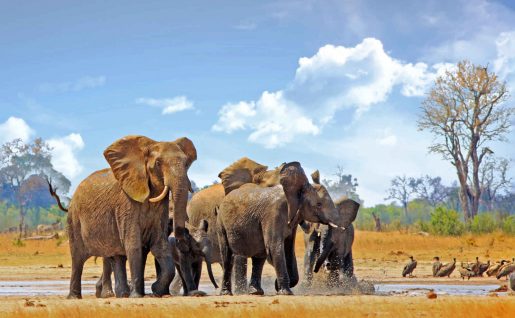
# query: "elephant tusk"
(336, 226)
(160, 197)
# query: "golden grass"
(249, 306)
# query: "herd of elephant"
(140, 205)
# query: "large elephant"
(123, 211)
(261, 222)
(336, 245)
(203, 204)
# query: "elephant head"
(206, 251)
(148, 171)
(334, 237)
(307, 202)
(245, 171)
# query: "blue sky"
(323, 82)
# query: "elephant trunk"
(210, 273)
(179, 191)
(326, 247)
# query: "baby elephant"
(197, 250)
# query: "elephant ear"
(188, 148)
(126, 156)
(240, 172)
(294, 181)
(348, 210)
(315, 176)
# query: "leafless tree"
(401, 189)
(432, 190)
(465, 110)
(494, 179)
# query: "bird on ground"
(483, 267)
(447, 269)
(436, 265)
(506, 270)
(493, 270)
(466, 272)
(409, 268)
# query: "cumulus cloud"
(168, 105)
(64, 154)
(335, 78)
(73, 86)
(14, 128)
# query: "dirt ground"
(379, 258)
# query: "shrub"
(483, 223)
(446, 222)
(508, 225)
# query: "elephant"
(123, 210)
(203, 204)
(261, 222)
(330, 245)
(200, 248)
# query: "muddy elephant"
(123, 211)
(324, 242)
(261, 222)
(203, 204)
(200, 248)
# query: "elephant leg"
(281, 270)
(227, 262)
(176, 286)
(197, 273)
(348, 265)
(291, 261)
(78, 261)
(121, 286)
(104, 287)
(135, 258)
(185, 290)
(240, 274)
(255, 279)
(163, 257)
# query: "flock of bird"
(499, 269)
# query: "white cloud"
(14, 128)
(64, 154)
(336, 77)
(504, 64)
(168, 105)
(73, 86)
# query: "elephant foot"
(98, 289)
(285, 292)
(197, 293)
(256, 290)
(159, 291)
(106, 293)
(135, 294)
(240, 291)
(225, 292)
(74, 296)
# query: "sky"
(325, 83)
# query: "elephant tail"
(53, 193)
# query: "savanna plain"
(379, 258)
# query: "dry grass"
(248, 306)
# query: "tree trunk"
(405, 206)
(464, 189)
(22, 222)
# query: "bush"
(483, 223)
(508, 225)
(446, 222)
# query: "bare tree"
(432, 190)
(345, 185)
(401, 189)
(494, 180)
(377, 221)
(465, 110)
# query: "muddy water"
(60, 287)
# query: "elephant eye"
(158, 163)
(319, 204)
